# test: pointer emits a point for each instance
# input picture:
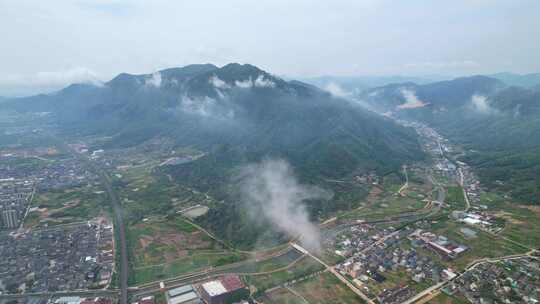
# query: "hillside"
(500, 124)
(236, 114)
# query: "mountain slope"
(500, 125)
(522, 80)
(236, 114)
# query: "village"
(74, 257)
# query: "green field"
(522, 222)
(67, 206)
(455, 198)
(166, 247)
(484, 245)
(326, 288)
(301, 268)
(443, 298)
(193, 262)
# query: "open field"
(484, 245)
(326, 288)
(443, 298)
(394, 279)
(455, 198)
(303, 267)
(386, 205)
(67, 206)
(282, 296)
(145, 192)
(168, 247)
(522, 222)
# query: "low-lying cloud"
(218, 83)
(480, 104)
(259, 82)
(336, 90)
(206, 107)
(270, 189)
(411, 100)
(154, 80)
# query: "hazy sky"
(47, 44)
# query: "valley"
(410, 229)
(441, 195)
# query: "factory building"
(183, 295)
(225, 290)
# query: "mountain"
(522, 80)
(498, 124)
(360, 83)
(436, 96)
(207, 106)
(236, 114)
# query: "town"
(75, 257)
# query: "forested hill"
(498, 123)
(236, 114)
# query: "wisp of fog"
(272, 187)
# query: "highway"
(122, 269)
(153, 287)
(80, 293)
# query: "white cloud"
(411, 100)
(261, 82)
(244, 84)
(154, 80)
(336, 90)
(480, 104)
(218, 83)
(271, 190)
(206, 107)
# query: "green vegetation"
(326, 288)
(455, 197)
(484, 245)
(443, 298)
(281, 296)
(167, 247)
(521, 222)
(191, 263)
(300, 269)
(67, 206)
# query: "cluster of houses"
(57, 259)
(15, 197)
(510, 281)
(48, 174)
(373, 255)
(440, 244)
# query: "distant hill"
(237, 114)
(359, 83)
(522, 80)
(501, 123)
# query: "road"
(335, 273)
(81, 293)
(406, 184)
(121, 247)
(461, 182)
(471, 266)
(153, 287)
